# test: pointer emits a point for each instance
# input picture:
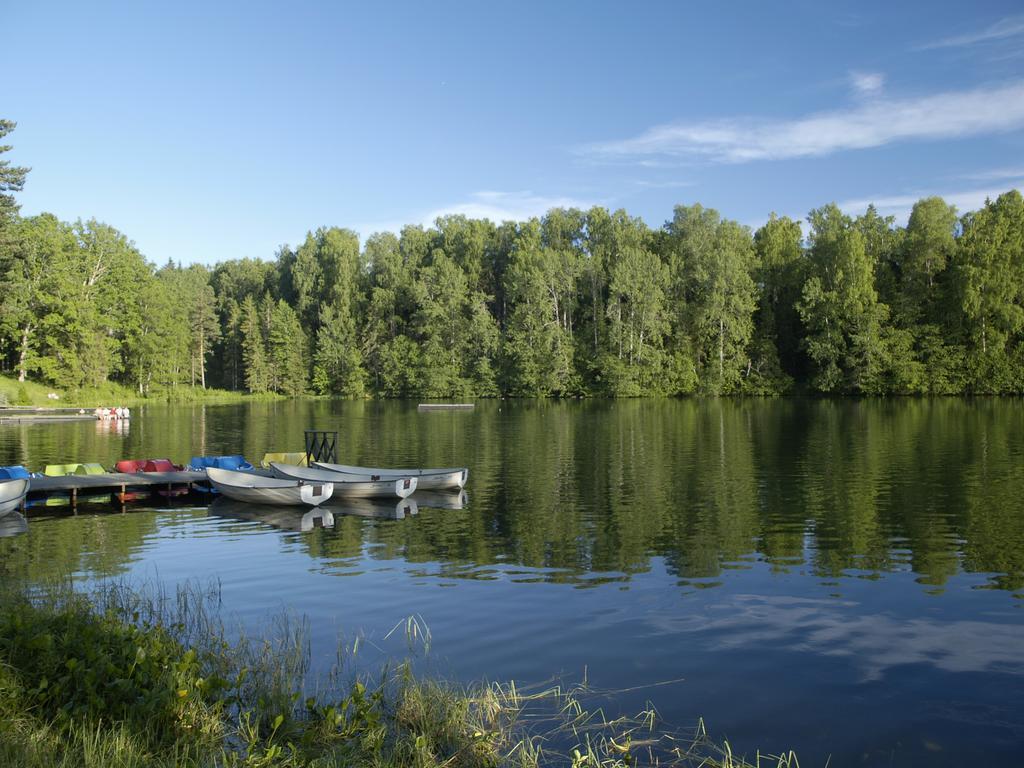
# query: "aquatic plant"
(118, 676)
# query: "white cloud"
(504, 206)
(867, 83)
(872, 124)
(900, 205)
(496, 206)
(1011, 26)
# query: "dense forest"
(575, 303)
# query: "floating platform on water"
(20, 414)
(44, 418)
(446, 406)
(116, 484)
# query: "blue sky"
(210, 131)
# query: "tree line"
(574, 303)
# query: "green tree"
(286, 350)
(232, 282)
(839, 306)
(780, 274)
(928, 246)
(12, 179)
(39, 247)
(991, 283)
(458, 341)
(540, 285)
(257, 374)
(637, 323)
(711, 262)
(337, 368)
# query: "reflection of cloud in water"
(875, 642)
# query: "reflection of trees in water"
(846, 486)
(103, 544)
(593, 490)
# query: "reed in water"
(140, 678)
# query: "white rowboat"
(259, 489)
(429, 479)
(12, 494)
(347, 487)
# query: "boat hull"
(258, 489)
(344, 486)
(450, 478)
(12, 494)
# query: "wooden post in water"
(321, 446)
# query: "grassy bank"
(13, 392)
(121, 679)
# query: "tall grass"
(118, 676)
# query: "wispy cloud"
(1011, 26)
(867, 83)
(664, 184)
(900, 206)
(873, 124)
(995, 174)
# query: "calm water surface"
(843, 578)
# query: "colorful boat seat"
(236, 462)
(161, 465)
(296, 459)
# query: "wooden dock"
(116, 484)
(20, 414)
(44, 418)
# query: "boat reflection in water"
(13, 524)
(441, 499)
(378, 508)
(285, 518)
(290, 519)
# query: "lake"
(843, 578)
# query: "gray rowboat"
(428, 479)
(345, 487)
(12, 494)
(259, 489)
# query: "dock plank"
(112, 480)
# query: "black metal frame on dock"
(321, 446)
